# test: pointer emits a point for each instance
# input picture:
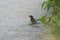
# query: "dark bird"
(32, 19)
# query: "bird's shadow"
(37, 25)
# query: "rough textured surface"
(14, 18)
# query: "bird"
(32, 19)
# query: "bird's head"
(31, 16)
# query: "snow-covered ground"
(14, 19)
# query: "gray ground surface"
(14, 19)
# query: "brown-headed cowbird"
(32, 19)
